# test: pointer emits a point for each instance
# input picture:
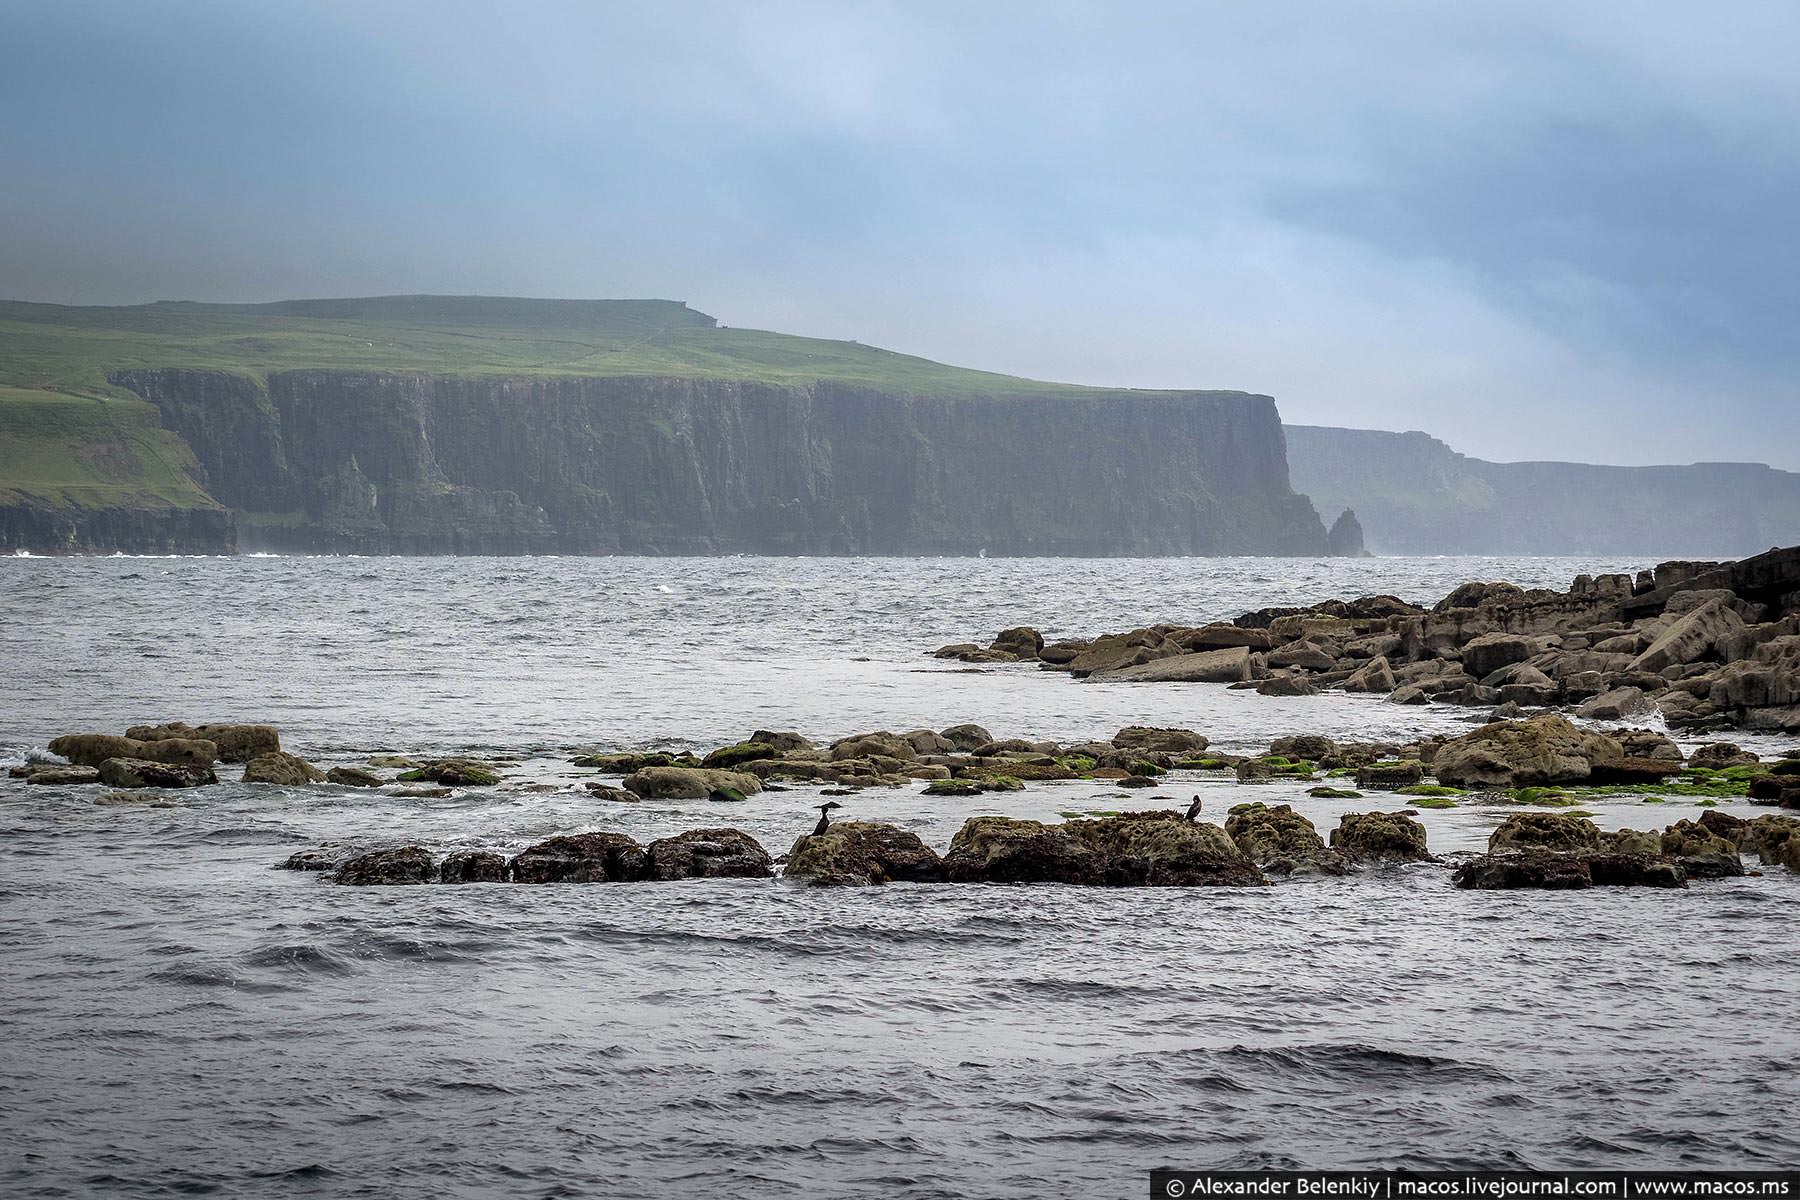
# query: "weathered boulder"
(1390, 776)
(1408, 694)
(783, 742)
(137, 773)
(1230, 665)
(708, 854)
(581, 858)
(1304, 747)
(863, 852)
(92, 749)
(1021, 642)
(1154, 739)
(1632, 841)
(1380, 837)
(1542, 750)
(1719, 755)
(1286, 685)
(473, 866)
(967, 737)
(1616, 705)
(1374, 676)
(924, 741)
(454, 772)
(1281, 841)
(690, 783)
(1116, 651)
(1009, 850)
(1647, 743)
(55, 776)
(1692, 636)
(1164, 849)
(353, 777)
(1302, 653)
(1774, 839)
(863, 745)
(743, 752)
(1489, 652)
(1701, 852)
(281, 768)
(407, 864)
(236, 743)
(1558, 832)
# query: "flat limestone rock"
(1230, 665)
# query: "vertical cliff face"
(411, 463)
(1415, 495)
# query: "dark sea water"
(176, 1017)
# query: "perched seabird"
(824, 816)
(1193, 812)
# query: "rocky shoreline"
(1539, 765)
(1706, 645)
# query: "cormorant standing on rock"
(824, 816)
(1193, 812)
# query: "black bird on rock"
(1193, 812)
(824, 816)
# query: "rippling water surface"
(178, 1017)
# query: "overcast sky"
(1535, 230)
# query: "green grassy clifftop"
(432, 424)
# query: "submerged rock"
(134, 773)
(140, 799)
(408, 864)
(709, 854)
(1543, 869)
(454, 772)
(863, 852)
(582, 858)
(353, 777)
(473, 866)
(1281, 841)
(1286, 685)
(54, 776)
(281, 768)
(328, 857)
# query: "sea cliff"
(417, 463)
(1415, 495)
